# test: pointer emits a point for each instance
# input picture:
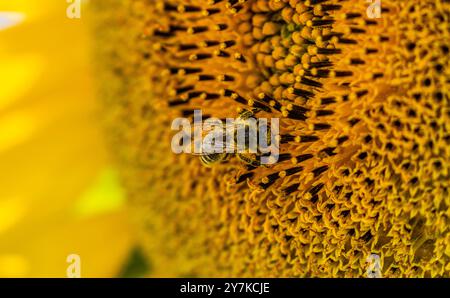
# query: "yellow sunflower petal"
(58, 189)
(102, 242)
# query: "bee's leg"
(225, 156)
(249, 160)
(246, 114)
(256, 111)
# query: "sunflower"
(362, 95)
(59, 193)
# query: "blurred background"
(59, 192)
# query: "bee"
(243, 153)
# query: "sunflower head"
(363, 107)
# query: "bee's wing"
(205, 127)
(227, 143)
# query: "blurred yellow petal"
(11, 212)
(103, 243)
(104, 195)
(14, 129)
(54, 166)
(13, 265)
(59, 194)
(9, 19)
(18, 75)
(32, 8)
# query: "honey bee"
(243, 128)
